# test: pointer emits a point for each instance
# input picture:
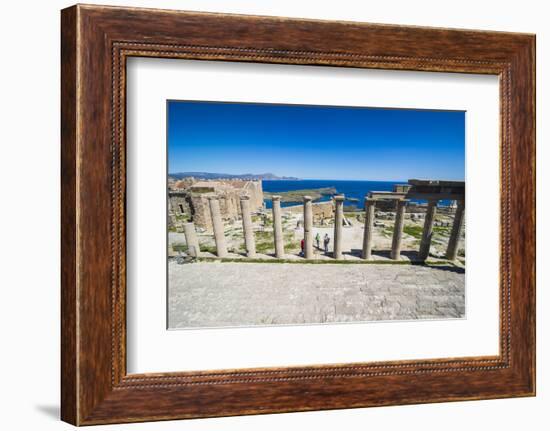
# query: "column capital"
(339, 198)
(276, 198)
(307, 199)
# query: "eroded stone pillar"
(308, 228)
(191, 239)
(427, 233)
(456, 232)
(370, 205)
(278, 227)
(338, 223)
(398, 229)
(217, 223)
(248, 230)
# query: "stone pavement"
(216, 294)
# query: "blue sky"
(316, 142)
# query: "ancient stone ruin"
(189, 200)
(216, 201)
(433, 192)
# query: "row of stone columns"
(427, 232)
(308, 226)
(370, 204)
(193, 247)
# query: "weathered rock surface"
(218, 294)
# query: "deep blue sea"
(351, 189)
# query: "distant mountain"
(214, 176)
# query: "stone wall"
(322, 211)
(201, 212)
(192, 200)
(255, 192)
(179, 203)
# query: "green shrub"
(179, 247)
(413, 230)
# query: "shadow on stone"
(382, 253)
(411, 255)
(355, 252)
(447, 267)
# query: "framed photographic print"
(267, 215)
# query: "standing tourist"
(326, 241)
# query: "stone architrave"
(427, 233)
(370, 205)
(398, 229)
(217, 224)
(248, 230)
(193, 248)
(278, 227)
(456, 232)
(338, 223)
(308, 228)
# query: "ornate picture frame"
(96, 41)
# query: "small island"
(298, 195)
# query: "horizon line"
(329, 179)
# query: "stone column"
(308, 228)
(278, 227)
(191, 239)
(217, 223)
(248, 231)
(398, 229)
(338, 222)
(428, 230)
(370, 205)
(456, 232)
